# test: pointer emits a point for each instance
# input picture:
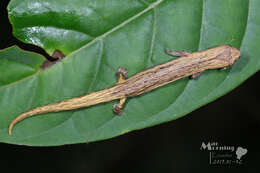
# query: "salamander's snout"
(235, 55)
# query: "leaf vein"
(98, 65)
(149, 61)
(101, 37)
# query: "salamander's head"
(227, 55)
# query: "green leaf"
(98, 37)
(16, 64)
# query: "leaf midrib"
(101, 37)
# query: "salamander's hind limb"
(176, 53)
(118, 108)
(121, 76)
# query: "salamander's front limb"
(122, 76)
(176, 53)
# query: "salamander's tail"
(90, 99)
(39, 110)
(16, 120)
(74, 103)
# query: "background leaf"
(100, 36)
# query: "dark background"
(231, 120)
